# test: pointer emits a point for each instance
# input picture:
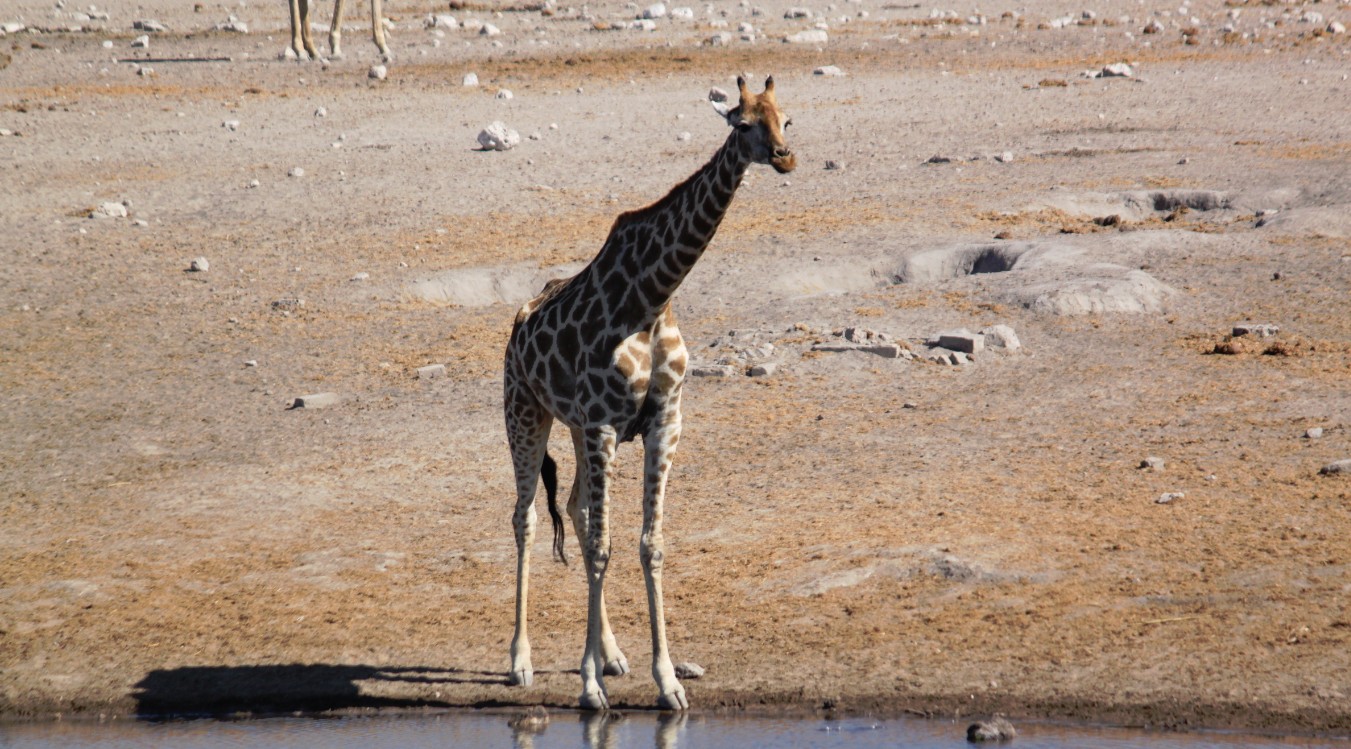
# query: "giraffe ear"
(718, 98)
(769, 85)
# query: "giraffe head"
(761, 125)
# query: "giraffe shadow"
(198, 691)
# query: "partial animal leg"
(378, 31)
(300, 21)
(598, 462)
(659, 446)
(615, 662)
(335, 31)
(528, 427)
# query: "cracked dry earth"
(868, 533)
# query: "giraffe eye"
(744, 126)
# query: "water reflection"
(599, 729)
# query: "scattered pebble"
(296, 172)
(109, 210)
(1116, 70)
(937, 159)
(830, 71)
(154, 27)
(253, 183)
(832, 165)
(489, 30)
(1153, 463)
(720, 39)
(1341, 467)
(140, 42)
(1313, 433)
(378, 72)
(1004, 157)
(470, 79)
(504, 94)
(431, 372)
(961, 340)
(1169, 497)
(498, 137)
(199, 265)
(714, 370)
(1256, 330)
(317, 400)
(763, 369)
(1153, 27)
(656, 10)
(809, 36)
(994, 729)
(231, 125)
(1001, 336)
(689, 670)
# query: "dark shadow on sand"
(195, 691)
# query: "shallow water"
(630, 730)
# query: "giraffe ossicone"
(600, 353)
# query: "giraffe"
(302, 44)
(600, 353)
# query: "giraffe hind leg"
(528, 427)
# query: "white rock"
(141, 42)
(231, 125)
(1254, 329)
(153, 27)
(689, 670)
(809, 36)
(472, 24)
(431, 372)
(470, 79)
(1117, 70)
(233, 27)
(378, 72)
(498, 137)
(1001, 336)
(503, 94)
(644, 24)
(1336, 27)
(656, 10)
(1313, 433)
(296, 172)
(684, 136)
(714, 370)
(253, 183)
(489, 30)
(1004, 157)
(798, 13)
(829, 71)
(684, 14)
(1153, 27)
(317, 400)
(1336, 468)
(1168, 497)
(199, 265)
(443, 21)
(12, 27)
(109, 210)
(720, 39)
(145, 72)
(1153, 463)
(764, 369)
(362, 276)
(961, 340)
(107, 43)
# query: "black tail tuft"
(549, 473)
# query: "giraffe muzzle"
(784, 161)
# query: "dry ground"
(174, 539)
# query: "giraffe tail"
(549, 473)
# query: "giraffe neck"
(650, 251)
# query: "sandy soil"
(174, 539)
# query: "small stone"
(1256, 330)
(1339, 468)
(688, 670)
(470, 79)
(431, 372)
(472, 24)
(684, 136)
(717, 95)
(809, 36)
(154, 27)
(1153, 27)
(720, 39)
(995, 729)
(1169, 497)
(937, 159)
(832, 165)
(684, 14)
(443, 21)
(498, 137)
(362, 276)
(797, 13)
(764, 369)
(1313, 433)
(109, 210)
(251, 363)
(145, 71)
(288, 304)
(533, 721)
(887, 350)
(1117, 70)
(317, 400)
(489, 30)
(140, 42)
(961, 340)
(1001, 336)
(378, 72)
(656, 10)
(1336, 27)
(829, 71)
(1152, 463)
(1004, 157)
(107, 43)
(296, 172)
(504, 94)
(253, 183)
(199, 265)
(642, 24)
(714, 370)
(231, 125)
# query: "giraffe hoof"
(523, 678)
(617, 667)
(674, 700)
(593, 701)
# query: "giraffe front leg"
(378, 31)
(599, 448)
(335, 31)
(615, 662)
(659, 448)
(298, 22)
